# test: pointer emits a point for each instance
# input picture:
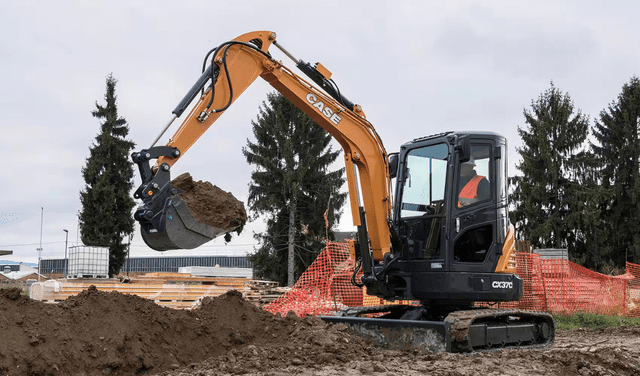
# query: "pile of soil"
(209, 204)
(111, 333)
(100, 333)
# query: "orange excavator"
(445, 239)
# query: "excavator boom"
(234, 66)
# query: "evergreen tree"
(588, 243)
(292, 187)
(618, 154)
(106, 216)
(546, 195)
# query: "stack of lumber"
(180, 278)
(171, 290)
(263, 292)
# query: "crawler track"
(461, 331)
(488, 329)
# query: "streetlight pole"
(40, 248)
(66, 238)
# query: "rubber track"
(461, 321)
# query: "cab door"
(421, 210)
(473, 242)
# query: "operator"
(474, 187)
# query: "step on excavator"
(445, 239)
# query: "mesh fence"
(562, 287)
(324, 287)
(552, 285)
(632, 296)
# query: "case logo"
(325, 110)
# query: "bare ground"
(99, 333)
(612, 351)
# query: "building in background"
(19, 275)
(166, 264)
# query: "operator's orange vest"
(470, 190)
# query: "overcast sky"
(416, 67)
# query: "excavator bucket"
(180, 229)
(182, 213)
(170, 224)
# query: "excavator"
(444, 241)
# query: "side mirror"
(464, 149)
(393, 165)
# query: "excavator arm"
(234, 66)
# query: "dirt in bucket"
(209, 204)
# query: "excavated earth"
(209, 204)
(100, 333)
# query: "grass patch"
(593, 321)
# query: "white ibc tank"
(88, 262)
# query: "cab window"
(424, 180)
(474, 182)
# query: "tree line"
(579, 186)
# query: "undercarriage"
(468, 330)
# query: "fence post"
(544, 286)
(624, 297)
(564, 269)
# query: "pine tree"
(618, 156)
(546, 195)
(292, 187)
(588, 243)
(106, 216)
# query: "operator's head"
(468, 167)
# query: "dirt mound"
(100, 333)
(111, 333)
(209, 204)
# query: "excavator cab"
(450, 222)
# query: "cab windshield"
(424, 181)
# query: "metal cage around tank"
(88, 262)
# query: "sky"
(416, 67)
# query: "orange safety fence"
(557, 286)
(325, 287)
(560, 286)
